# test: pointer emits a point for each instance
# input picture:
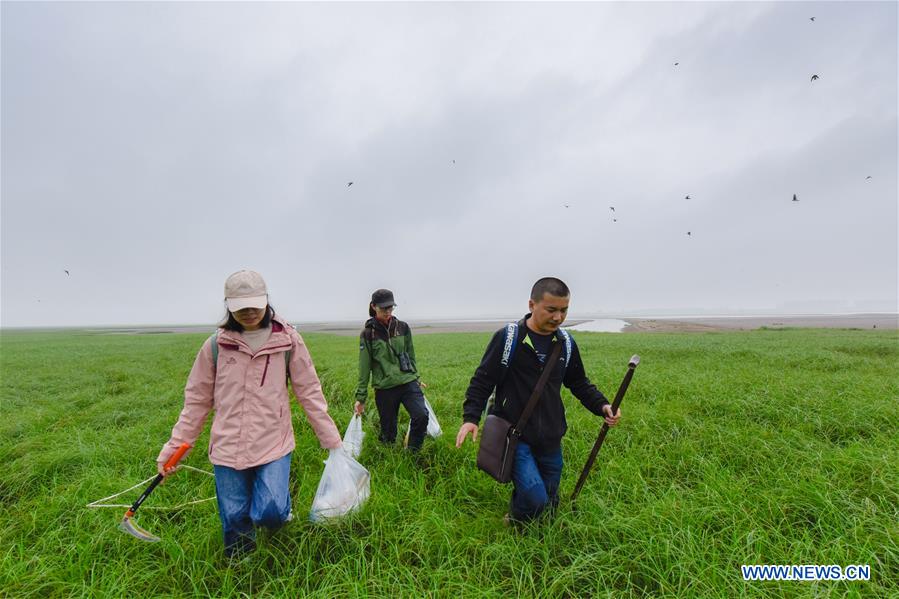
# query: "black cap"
(383, 298)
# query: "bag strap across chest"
(538, 390)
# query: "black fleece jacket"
(546, 426)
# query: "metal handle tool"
(130, 526)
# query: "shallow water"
(602, 325)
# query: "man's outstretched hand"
(464, 430)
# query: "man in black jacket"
(537, 468)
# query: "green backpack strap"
(287, 365)
(215, 349)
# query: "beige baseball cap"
(245, 289)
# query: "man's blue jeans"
(257, 496)
(535, 480)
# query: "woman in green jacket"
(387, 358)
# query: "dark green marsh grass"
(763, 447)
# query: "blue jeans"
(257, 496)
(535, 479)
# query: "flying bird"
(811, 19)
(677, 63)
(814, 77)
(689, 234)
(67, 272)
(350, 183)
(687, 197)
(454, 162)
(566, 205)
(612, 208)
(868, 178)
(795, 199)
(614, 220)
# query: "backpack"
(215, 354)
(510, 344)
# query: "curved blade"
(128, 525)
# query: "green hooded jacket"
(379, 347)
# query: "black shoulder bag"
(499, 439)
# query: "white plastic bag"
(434, 429)
(344, 487)
(353, 437)
(433, 426)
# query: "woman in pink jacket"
(243, 379)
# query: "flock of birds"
(814, 77)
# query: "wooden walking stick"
(632, 365)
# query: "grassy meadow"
(763, 447)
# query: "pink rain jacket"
(248, 392)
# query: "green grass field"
(764, 447)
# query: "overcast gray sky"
(152, 149)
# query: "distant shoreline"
(635, 324)
(742, 323)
